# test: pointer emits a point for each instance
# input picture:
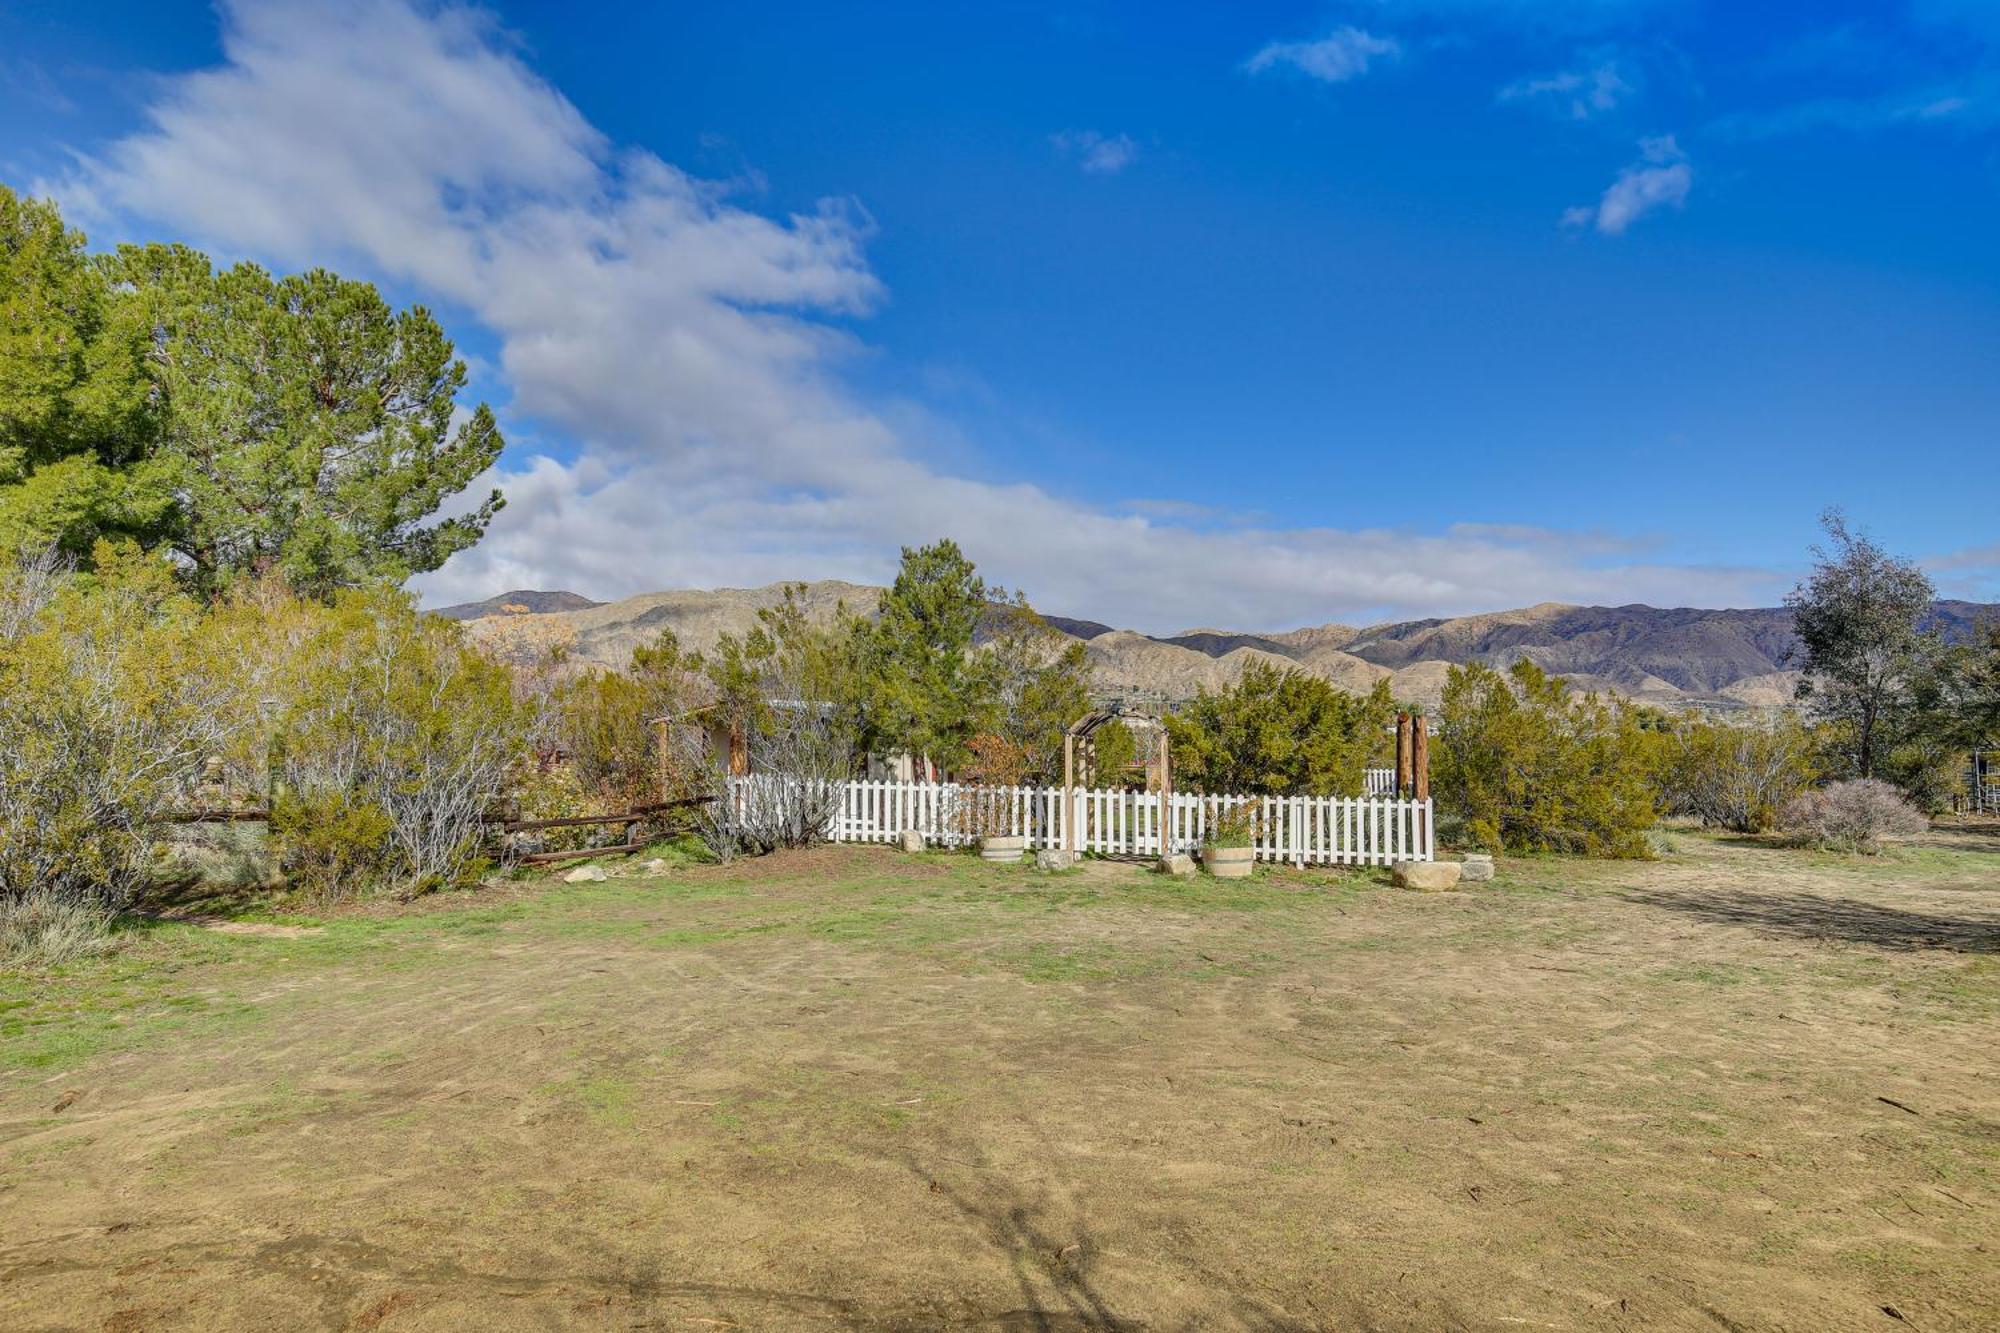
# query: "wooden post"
(1402, 755)
(1069, 793)
(1166, 797)
(1420, 757)
(662, 744)
(739, 751)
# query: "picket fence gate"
(1299, 830)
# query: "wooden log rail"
(636, 814)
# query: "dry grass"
(1744, 1087)
(44, 930)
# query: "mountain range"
(1725, 659)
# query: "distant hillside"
(1671, 656)
(519, 603)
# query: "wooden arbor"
(1080, 732)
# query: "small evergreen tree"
(926, 697)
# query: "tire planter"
(1229, 862)
(1006, 850)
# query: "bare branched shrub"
(802, 759)
(1852, 816)
(112, 701)
(784, 686)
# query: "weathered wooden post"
(1069, 792)
(662, 744)
(1166, 795)
(1402, 755)
(1420, 758)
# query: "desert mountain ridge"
(1672, 656)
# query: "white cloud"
(1342, 54)
(1660, 178)
(683, 345)
(1581, 94)
(1101, 154)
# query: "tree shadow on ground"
(1052, 1260)
(1817, 917)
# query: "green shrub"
(1732, 776)
(1235, 827)
(1532, 768)
(390, 740)
(332, 842)
(601, 726)
(1280, 733)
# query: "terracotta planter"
(1229, 862)
(1003, 850)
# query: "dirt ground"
(1738, 1088)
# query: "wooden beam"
(215, 817)
(582, 851)
(1402, 755)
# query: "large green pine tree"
(248, 422)
(307, 425)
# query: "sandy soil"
(1740, 1088)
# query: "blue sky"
(1266, 314)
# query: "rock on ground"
(1427, 875)
(586, 875)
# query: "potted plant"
(1230, 850)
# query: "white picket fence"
(1300, 830)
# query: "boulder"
(1050, 858)
(656, 866)
(1476, 868)
(586, 875)
(1430, 876)
(911, 840)
(1180, 865)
